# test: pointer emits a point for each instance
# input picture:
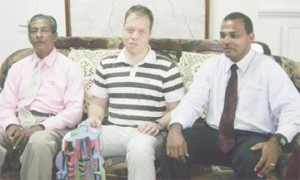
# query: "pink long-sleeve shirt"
(61, 91)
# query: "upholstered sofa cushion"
(188, 65)
(291, 67)
(88, 61)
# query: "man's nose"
(135, 34)
(227, 39)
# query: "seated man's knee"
(243, 151)
(244, 161)
(38, 139)
(141, 153)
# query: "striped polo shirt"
(138, 92)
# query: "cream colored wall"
(172, 19)
(276, 22)
(220, 8)
(282, 33)
(14, 15)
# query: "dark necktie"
(226, 130)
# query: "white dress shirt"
(268, 101)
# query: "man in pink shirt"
(56, 108)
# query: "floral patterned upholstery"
(188, 54)
(291, 67)
(88, 60)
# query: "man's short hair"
(140, 11)
(51, 20)
(238, 15)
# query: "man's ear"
(56, 36)
(252, 37)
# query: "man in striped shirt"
(139, 88)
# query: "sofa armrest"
(10, 60)
(287, 153)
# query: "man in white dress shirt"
(266, 117)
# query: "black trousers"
(202, 148)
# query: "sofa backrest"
(188, 54)
(171, 48)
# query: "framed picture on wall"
(105, 18)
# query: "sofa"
(188, 55)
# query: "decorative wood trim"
(68, 18)
(279, 13)
(207, 17)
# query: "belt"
(36, 113)
(240, 132)
(123, 125)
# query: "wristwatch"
(159, 125)
(280, 139)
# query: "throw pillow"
(88, 61)
(188, 65)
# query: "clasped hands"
(18, 138)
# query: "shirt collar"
(150, 57)
(243, 64)
(48, 60)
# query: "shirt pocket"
(252, 98)
(53, 88)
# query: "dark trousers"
(202, 148)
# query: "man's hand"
(149, 128)
(269, 158)
(94, 121)
(176, 144)
(21, 137)
(10, 133)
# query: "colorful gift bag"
(80, 157)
